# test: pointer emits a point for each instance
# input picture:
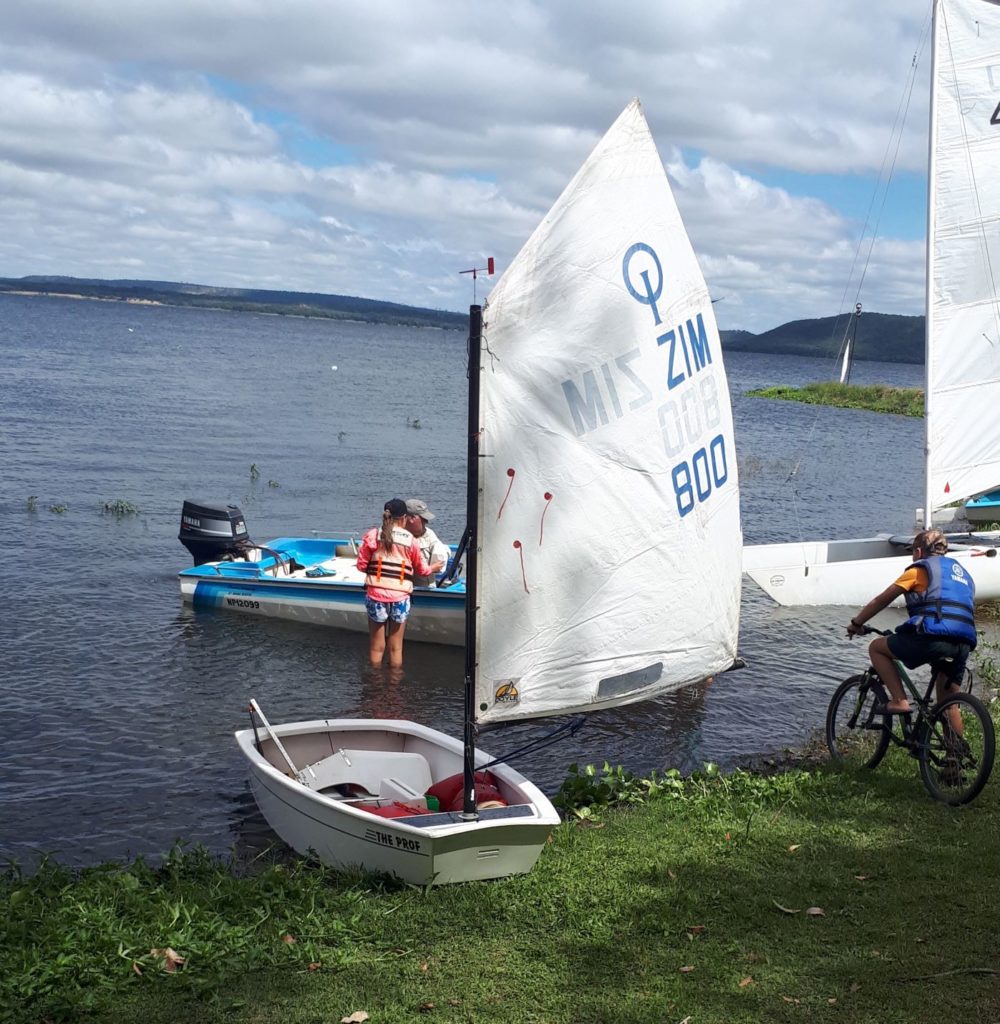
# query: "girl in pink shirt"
(389, 557)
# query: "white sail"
(608, 520)
(963, 309)
(845, 363)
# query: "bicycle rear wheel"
(957, 749)
(856, 735)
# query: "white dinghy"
(604, 535)
(963, 332)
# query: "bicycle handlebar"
(866, 629)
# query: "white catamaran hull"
(852, 572)
(335, 598)
(396, 761)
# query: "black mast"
(472, 533)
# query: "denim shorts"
(916, 649)
(382, 611)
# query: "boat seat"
(371, 769)
(346, 551)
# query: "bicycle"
(953, 740)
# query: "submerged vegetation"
(119, 507)
(875, 397)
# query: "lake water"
(119, 704)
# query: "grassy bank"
(805, 895)
(875, 398)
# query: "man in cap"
(434, 550)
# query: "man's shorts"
(382, 611)
(916, 649)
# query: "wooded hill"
(881, 336)
(885, 337)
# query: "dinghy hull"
(852, 572)
(395, 761)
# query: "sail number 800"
(694, 481)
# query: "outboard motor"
(211, 532)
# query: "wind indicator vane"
(476, 271)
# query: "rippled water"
(119, 704)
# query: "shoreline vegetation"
(874, 398)
(784, 892)
(880, 336)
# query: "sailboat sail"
(850, 337)
(608, 522)
(846, 360)
(963, 302)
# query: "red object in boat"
(451, 798)
(395, 810)
(486, 796)
(447, 789)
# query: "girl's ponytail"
(385, 534)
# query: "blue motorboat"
(304, 579)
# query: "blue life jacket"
(945, 608)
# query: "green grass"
(875, 398)
(678, 907)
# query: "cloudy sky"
(377, 148)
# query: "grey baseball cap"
(418, 507)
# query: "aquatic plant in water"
(120, 507)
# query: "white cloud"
(376, 149)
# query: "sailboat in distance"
(962, 392)
(604, 542)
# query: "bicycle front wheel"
(957, 749)
(857, 736)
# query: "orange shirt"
(915, 578)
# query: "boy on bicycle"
(940, 630)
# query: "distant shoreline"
(241, 300)
(88, 298)
(880, 337)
